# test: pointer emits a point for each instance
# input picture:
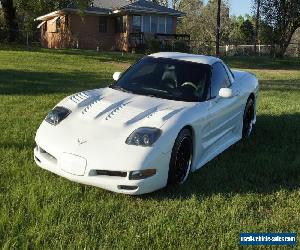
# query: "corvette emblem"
(81, 141)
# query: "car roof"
(210, 60)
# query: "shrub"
(153, 46)
(181, 46)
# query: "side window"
(229, 71)
(102, 24)
(219, 79)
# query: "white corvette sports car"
(166, 116)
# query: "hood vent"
(146, 114)
(113, 109)
(79, 97)
(172, 113)
(87, 108)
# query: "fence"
(209, 48)
(292, 51)
(24, 37)
(32, 38)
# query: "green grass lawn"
(252, 187)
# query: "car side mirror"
(117, 76)
(225, 93)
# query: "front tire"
(181, 158)
(248, 119)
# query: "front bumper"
(78, 169)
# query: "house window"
(146, 24)
(58, 25)
(154, 22)
(169, 25)
(161, 24)
(120, 24)
(136, 24)
(102, 24)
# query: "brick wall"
(86, 31)
(83, 31)
(52, 37)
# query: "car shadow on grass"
(16, 82)
(101, 56)
(268, 162)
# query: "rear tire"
(248, 119)
(181, 158)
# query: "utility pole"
(257, 25)
(218, 29)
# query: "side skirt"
(218, 151)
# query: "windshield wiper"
(121, 89)
(149, 95)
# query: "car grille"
(108, 173)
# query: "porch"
(141, 41)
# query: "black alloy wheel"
(248, 124)
(181, 158)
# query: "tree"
(200, 23)
(175, 4)
(283, 17)
(266, 34)
(247, 32)
(28, 10)
(192, 23)
(161, 2)
(210, 13)
(257, 20)
(21, 14)
(235, 35)
(218, 28)
(10, 19)
(41, 7)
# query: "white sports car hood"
(116, 109)
(103, 118)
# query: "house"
(109, 25)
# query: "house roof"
(107, 7)
(135, 6)
(111, 4)
(150, 7)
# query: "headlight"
(144, 137)
(56, 115)
(142, 174)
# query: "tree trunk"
(218, 29)
(10, 19)
(285, 43)
(257, 26)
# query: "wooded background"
(272, 23)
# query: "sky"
(239, 7)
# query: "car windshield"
(166, 78)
